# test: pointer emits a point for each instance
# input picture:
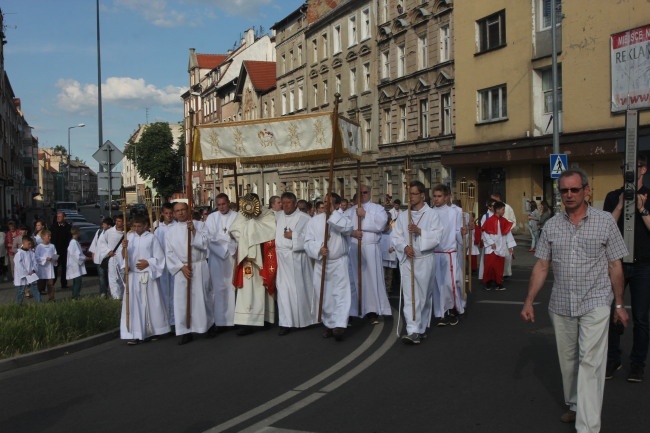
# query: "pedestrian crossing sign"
(559, 163)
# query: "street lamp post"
(81, 125)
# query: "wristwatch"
(644, 212)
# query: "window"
(291, 59)
(384, 10)
(401, 60)
(284, 101)
(385, 65)
(422, 52)
(444, 43)
(266, 110)
(492, 31)
(336, 39)
(493, 103)
(283, 62)
(315, 90)
(424, 118)
(352, 30)
(338, 83)
(326, 46)
(301, 102)
(547, 88)
(365, 24)
(292, 98)
(314, 44)
(545, 18)
(353, 81)
(402, 122)
(366, 77)
(386, 124)
(299, 54)
(365, 124)
(446, 113)
(272, 107)
(325, 97)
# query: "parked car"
(138, 209)
(82, 224)
(96, 205)
(86, 236)
(75, 218)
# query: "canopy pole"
(328, 210)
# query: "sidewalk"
(89, 287)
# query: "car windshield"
(87, 234)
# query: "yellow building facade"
(503, 101)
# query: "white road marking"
(310, 398)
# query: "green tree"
(156, 158)
(60, 150)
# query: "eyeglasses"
(573, 190)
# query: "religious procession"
(246, 266)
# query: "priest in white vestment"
(200, 292)
(166, 281)
(336, 293)
(297, 300)
(254, 231)
(374, 299)
(418, 257)
(222, 249)
(448, 300)
(146, 259)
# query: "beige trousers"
(582, 351)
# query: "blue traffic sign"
(559, 163)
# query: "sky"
(51, 60)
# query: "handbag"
(104, 263)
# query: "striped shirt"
(580, 256)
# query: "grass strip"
(32, 327)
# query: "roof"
(262, 74)
(210, 61)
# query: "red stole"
(268, 271)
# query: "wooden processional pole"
(328, 208)
(148, 202)
(125, 252)
(407, 172)
(188, 193)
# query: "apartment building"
(212, 95)
(416, 92)
(503, 95)
(340, 50)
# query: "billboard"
(630, 69)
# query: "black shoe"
(245, 330)
(373, 319)
(338, 333)
(186, 338)
(500, 288)
(212, 332)
(133, 342)
(327, 333)
(443, 321)
(612, 367)
(636, 374)
(284, 330)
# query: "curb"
(56, 352)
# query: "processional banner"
(300, 138)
